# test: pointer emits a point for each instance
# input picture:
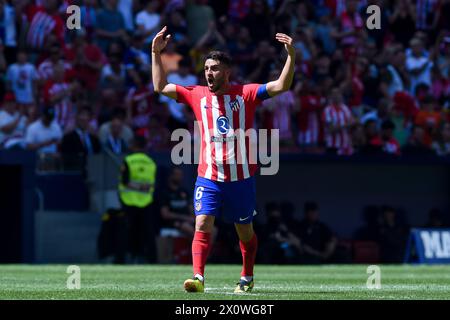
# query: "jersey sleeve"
(185, 94)
(255, 92)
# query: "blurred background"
(364, 130)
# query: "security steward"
(136, 188)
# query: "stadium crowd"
(355, 90)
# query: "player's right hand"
(159, 42)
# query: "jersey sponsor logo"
(223, 125)
(223, 139)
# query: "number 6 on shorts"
(199, 193)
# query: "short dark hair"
(220, 56)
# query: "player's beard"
(216, 85)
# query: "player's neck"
(222, 90)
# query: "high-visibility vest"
(142, 172)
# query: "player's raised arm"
(284, 82)
(158, 74)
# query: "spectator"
(350, 29)
(443, 56)
(110, 25)
(179, 115)
(259, 21)
(136, 188)
(280, 109)
(435, 219)
(263, 60)
(241, 48)
(148, 21)
(136, 59)
(429, 119)
(58, 92)
(441, 145)
(199, 16)
(89, 17)
(416, 144)
(389, 144)
(8, 36)
(310, 105)
(114, 74)
(118, 117)
(110, 101)
(402, 23)
(55, 60)
(79, 143)
(12, 124)
(370, 230)
(426, 13)
(177, 27)
(394, 78)
(338, 119)
(323, 33)
(418, 66)
(393, 236)
(171, 58)
(359, 140)
(176, 210)
(115, 143)
(42, 23)
(44, 134)
(139, 102)
(372, 138)
(21, 79)
(317, 243)
(87, 60)
(278, 240)
(125, 7)
(157, 135)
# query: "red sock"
(248, 250)
(200, 250)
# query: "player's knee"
(245, 232)
(204, 223)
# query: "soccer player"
(222, 109)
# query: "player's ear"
(228, 71)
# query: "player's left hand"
(287, 41)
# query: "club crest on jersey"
(198, 205)
(223, 125)
(234, 105)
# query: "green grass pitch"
(271, 282)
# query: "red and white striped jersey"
(47, 67)
(308, 120)
(338, 115)
(225, 148)
(64, 113)
(42, 25)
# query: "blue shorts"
(237, 199)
